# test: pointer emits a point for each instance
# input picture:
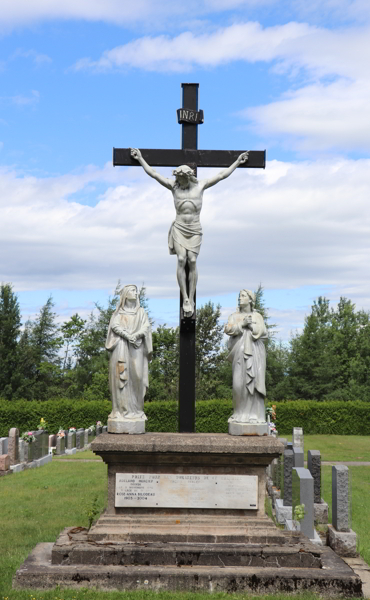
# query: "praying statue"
(185, 235)
(129, 342)
(247, 332)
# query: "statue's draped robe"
(248, 358)
(128, 366)
(187, 235)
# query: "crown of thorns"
(183, 169)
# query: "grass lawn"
(86, 455)
(37, 504)
(338, 447)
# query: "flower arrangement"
(61, 433)
(43, 424)
(72, 429)
(28, 437)
(299, 512)
(92, 428)
(99, 424)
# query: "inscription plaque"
(164, 490)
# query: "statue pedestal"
(248, 429)
(131, 426)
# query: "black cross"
(190, 118)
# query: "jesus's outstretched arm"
(206, 183)
(168, 183)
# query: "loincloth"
(189, 236)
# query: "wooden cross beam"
(189, 117)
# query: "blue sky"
(80, 78)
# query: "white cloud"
(21, 100)
(36, 57)
(292, 225)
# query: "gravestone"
(340, 498)
(30, 451)
(71, 440)
(3, 445)
(91, 435)
(302, 482)
(23, 451)
(341, 537)
(283, 505)
(60, 446)
(86, 437)
(80, 437)
(104, 429)
(13, 446)
(52, 441)
(314, 467)
(98, 430)
(4, 462)
(298, 456)
(297, 438)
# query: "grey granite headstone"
(52, 441)
(303, 494)
(3, 445)
(13, 446)
(45, 443)
(60, 446)
(340, 498)
(80, 437)
(71, 440)
(288, 466)
(86, 437)
(105, 429)
(280, 464)
(298, 456)
(91, 436)
(30, 451)
(98, 429)
(23, 451)
(37, 448)
(314, 467)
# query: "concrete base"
(130, 426)
(248, 428)
(217, 569)
(18, 468)
(71, 451)
(321, 513)
(282, 512)
(8, 472)
(40, 462)
(342, 542)
(295, 526)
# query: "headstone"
(30, 451)
(13, 446)
(37, 449)
(289, 445)
(297, 438)
(80, 437)
(105, 429)
(288, 466)
(23, 451)
(4, 462)
(60, 446)
(98, 429)
(303, 494)
(314, 467)
(91, 435)
(280, 464)
(71, 440)
(52, 441)
(3, 445)
(86, 437)
(340, 498)
(45, 443)
(298, 456)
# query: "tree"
(164, 367)
(10, 325)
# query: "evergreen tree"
(10, 325)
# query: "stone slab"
(344, 543)
(70, 451)
(248, 428)
(337, 579)
(130, 426)
(4, 445)
(294, 526)
(18, 468)
(298, 455)
(282, 512)
(186, 490)
(44, 460)
(303, 494)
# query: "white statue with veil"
(129, 342)
(247, 332)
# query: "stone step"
(75, 549)
(334, 579)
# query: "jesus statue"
(185, 235)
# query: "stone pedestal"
(131, 426)
(342, 542)
(248, 429)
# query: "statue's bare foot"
(187, 308)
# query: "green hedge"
(336, 417)
(332, 417)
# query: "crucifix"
(185, 234)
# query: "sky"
(79, 78)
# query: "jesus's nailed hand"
(243, 157)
